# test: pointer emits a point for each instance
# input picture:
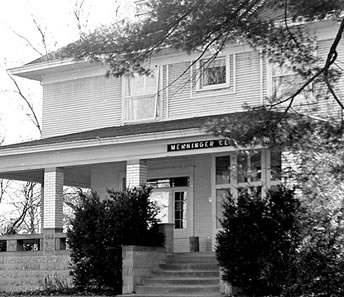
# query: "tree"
(278, 29)
(25, 196)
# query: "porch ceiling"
(74, 176)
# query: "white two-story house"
(102, 133)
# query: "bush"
(320, 262)
(257, 246)
(98, 230)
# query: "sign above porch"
(196, 145)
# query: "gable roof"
(123, 131)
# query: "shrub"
(257, 246)
(320, 262)
(98, 230)
(135, 217)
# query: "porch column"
(52, 206)
(136, 173)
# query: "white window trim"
(200, 88)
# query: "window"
(285, 82)
(141, 97)
(237, 172)
(141, 8)
(213, 73)
(183, 181)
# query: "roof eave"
(36, 71)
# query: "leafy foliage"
(99, 228)
(257, 246)
(202, 26)
(320, 263)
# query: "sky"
(56, 18)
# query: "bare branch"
(77, 12)
(33, 117)
(42, 33)
(28, 42)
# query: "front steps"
(184, 275)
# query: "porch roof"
(139, 129)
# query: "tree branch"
(33, 113)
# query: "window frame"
(200, 73)
(136, 4)
(278, 73)
(126, 98)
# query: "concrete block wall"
(139, 262)
(30, 271)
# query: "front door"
(175, 208)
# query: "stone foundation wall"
(30, 271)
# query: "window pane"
(221, 194)
(141, 108)
(213, 73)
(138, 85)
(150, 85)
(256, 166)
(223, 170)
(162, 200)
(276, 165)
(180, 206)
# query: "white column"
(136, 174)
(53, 200)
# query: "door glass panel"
(180, 206)
(162, 201)
(223, 170)
(221, 194)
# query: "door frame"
(179, 172)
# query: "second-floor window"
(213, 73)
(142, 9)
(141, 97)
(286, 82)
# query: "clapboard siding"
(327, 104)
(245, 88)
(179, 96)
(81, 104)
(94, 102)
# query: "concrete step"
(189, 266)
(173, 295)
(182, 281)
(177, 289)
(185, 274)
(193, 258)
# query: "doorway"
(173, 196)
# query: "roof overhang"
(36, 71)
